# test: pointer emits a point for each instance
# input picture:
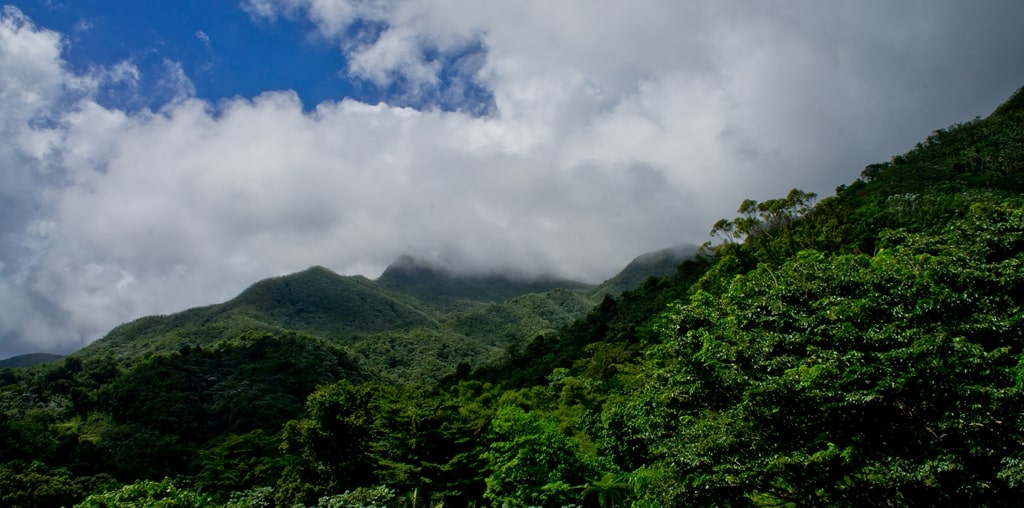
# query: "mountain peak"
(408, 271)
(437, 284)
(652, 264)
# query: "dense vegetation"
(862, 349)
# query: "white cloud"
(617, 128)
(33, 82)
(203, 37)
(175, 83)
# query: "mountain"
(28, 360)
(417, 322)
(321, 302)
(409, 295)
(316, 301)
(659, 263)
(861, 349)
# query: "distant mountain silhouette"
(28, 360)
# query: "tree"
(768, 217)
(532, 463)
(852, 379)
(162, 494)
(34, 484)
(333, 442)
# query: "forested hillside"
(859, 349)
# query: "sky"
(163, 155)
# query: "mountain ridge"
(346, 309)
(28, 360)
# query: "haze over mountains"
(862, 348)
(155, 161)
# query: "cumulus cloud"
(611, 129)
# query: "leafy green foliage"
(32, 484)
(162, 494)
(532, 463)
(421, 356)
(605, 339)
(365, 435)
(213, 413)
(240, 463)
(363, 497)
(334, 440)
(852, 379)
(253, 382)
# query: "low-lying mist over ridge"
(156, 161)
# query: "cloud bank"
(529, 136)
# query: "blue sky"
(226, 51)
(220, 47)
(163, 155)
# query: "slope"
(321, 302)
(659, 263)
(467, 339)
(315, 301)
